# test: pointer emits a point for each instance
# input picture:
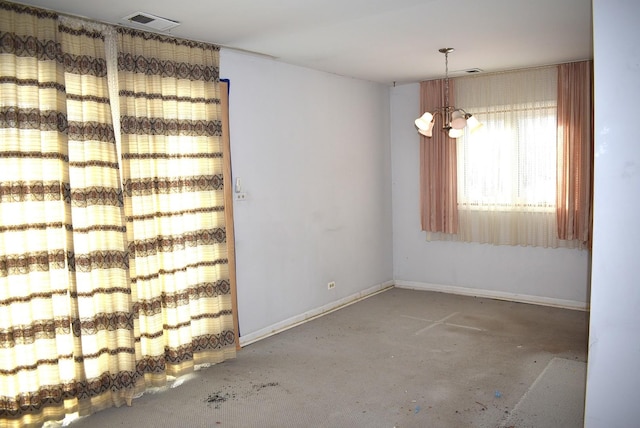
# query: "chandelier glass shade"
(454, 119)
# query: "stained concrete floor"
(401, 358)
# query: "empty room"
(326, 213)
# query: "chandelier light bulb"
(425, 122)
(458, 120)
(455, 133)
(427, 132)
(473, 124)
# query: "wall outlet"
(242, 196)
(331, 285)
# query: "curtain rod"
(491, 73)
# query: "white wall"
(549, 276)
(613, 376)
(312, 152)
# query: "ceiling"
(383, 41)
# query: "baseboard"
(451, 289)
(491, 294)
(307, 316)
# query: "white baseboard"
(307, 316)
(491, 294)
(263, 333)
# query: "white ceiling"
(379, 40)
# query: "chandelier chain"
(446, 79)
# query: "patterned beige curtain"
(438, 166)
(105, 293)
(172, 167)
(575, 151)
(66, 320)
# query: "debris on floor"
(265, 385)
(217, 398)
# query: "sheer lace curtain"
(80, 320)
(507, 174)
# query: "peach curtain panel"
(575, 151)
(438, 166)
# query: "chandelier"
(454, 119)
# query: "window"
(511, 165)
(525, 179)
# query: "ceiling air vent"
(458, 73)
(151, 21)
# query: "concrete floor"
(400, 358)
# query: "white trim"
(281, 326)
(492, 294)
(307, 316)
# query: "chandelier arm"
(444, 113)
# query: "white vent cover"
(151, 21)
(467, 71)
